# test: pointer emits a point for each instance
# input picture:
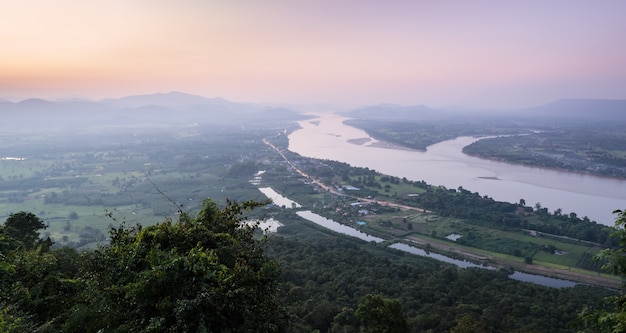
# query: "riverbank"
(504, 261)
(475, 254)
(389, 145)
(375, 143)
(562, 168)
(444, 164)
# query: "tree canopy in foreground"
(206, 273)
(612, 318)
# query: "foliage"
(206, 273)
(611, 318)
(325, 278)
(378, 313)
(23, 228)
(210, 273)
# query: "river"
(444, 164)
(337, 227)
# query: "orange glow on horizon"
(314, 51)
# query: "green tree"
(200, 274)
(468, 324)
(380, 314)
(23, 228)
(345, 321)
(35, 289)
(613, 317)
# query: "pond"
(278, 199)
(267, 225)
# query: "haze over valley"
(312, 166)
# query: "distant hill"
(178, 107)
(173, 100)
(565, 109)
(168, 108)
(396, 112)
(592, 109)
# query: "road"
(336, 191)
(598, 279)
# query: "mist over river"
(444, 164)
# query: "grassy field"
(136, 179)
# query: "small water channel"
(520, 276)
(337, 227)
(542, 280)
(440, 257)
(346, 230)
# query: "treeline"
(483, 210)
(597, 151)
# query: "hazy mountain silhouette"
(169, 108)
(591, 109)
(396, 112)
(171, 99)
(177, 107)
(565, 109)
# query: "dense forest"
(203, 273)
(299, 280)
(325, 279)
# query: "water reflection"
(440, 257)
(525, 277)
(337, 227)
(278, 199)
(542, 280)
(445, 164)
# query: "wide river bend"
(444, 164)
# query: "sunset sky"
(438, 53)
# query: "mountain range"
(177, 107)
(564, 109)
(169, 108)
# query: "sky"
(440, 53)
